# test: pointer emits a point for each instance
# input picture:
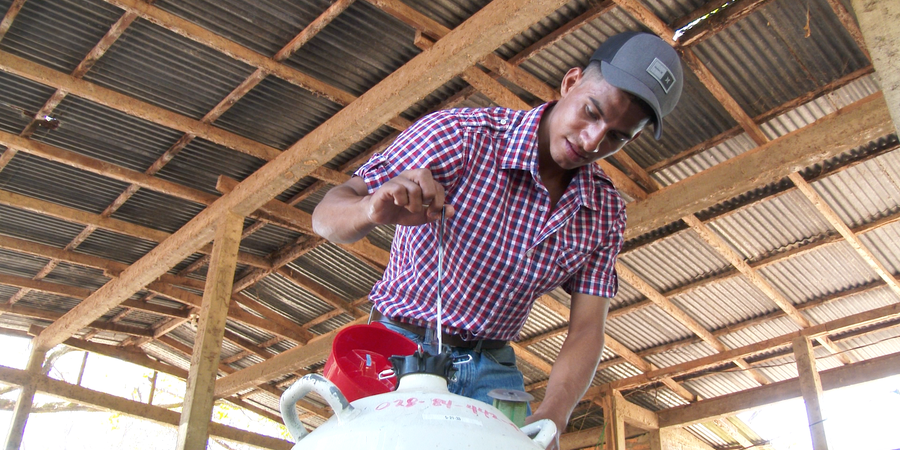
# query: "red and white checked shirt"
(503, 247)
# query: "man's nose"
(593, 136)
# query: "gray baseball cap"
(645, 66)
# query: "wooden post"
(152, 387)
(81, 370)
(25, 401)
(193, 430)
(614, 420)
(878, 24)
(811, 387)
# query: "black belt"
(453, 340)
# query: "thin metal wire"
(439, 280)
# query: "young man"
(527, 210)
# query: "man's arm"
(348, 212)
(577, 361)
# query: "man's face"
(592, 120)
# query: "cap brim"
(624, 81)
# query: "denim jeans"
(478, 373)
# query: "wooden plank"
(294, 359)
(648, 18)
(614, 420)
(492, 89)
(157, 414)
(413, 18)
(728, 405)
(44, 75)
(556, 35)
(718, 22)
(85, 218)
(313, 29)
(457, 51)
(322, 292)
(27, 380)
(10, 16)
(850, 25)
(831, 135)
(105, 169)
(721, 94)
(193, 429)
(811, 389)
(520, 77)
(832, 217)
(856, 320)
(635, 415)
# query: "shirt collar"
(521, 153)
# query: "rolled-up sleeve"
(433, 143)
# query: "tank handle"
(318, 384)
(544, 429)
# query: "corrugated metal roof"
(162, 68)
(820, 272)
(669, 263)
(58, 34)
(717, 305)
(764, 61)
(645, 328)
(276, 113)
(357, 50)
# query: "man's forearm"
(341, 216)
(570, 378)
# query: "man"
(527, 210)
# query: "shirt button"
(529, 253)
(542, 208)
(502, 121)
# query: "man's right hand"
(348, 213)
(412, 198)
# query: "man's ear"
(571, 78)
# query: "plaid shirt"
(504, 247)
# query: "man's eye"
(590, 112)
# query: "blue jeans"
(485, 371)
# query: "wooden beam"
(831, 135)
(296, 358)
(198, 401)
(731, 404)
(811, 388)
(648, 18)
(721, 94)
(856, 320)
(850, 25)
(25, 399)
(718, 22)
(44, 75)
(614, 420)
(119, 226)
(727, 252)
(314, 27)
(556, 35)
(157, 414)
(831, 216)
(457, 51)
(492, 89)
(10, 16)
(520, 77)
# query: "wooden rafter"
(84, 396)
(831, 135)
(351, 124)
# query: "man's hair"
(593, 70)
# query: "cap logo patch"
(663, 75)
